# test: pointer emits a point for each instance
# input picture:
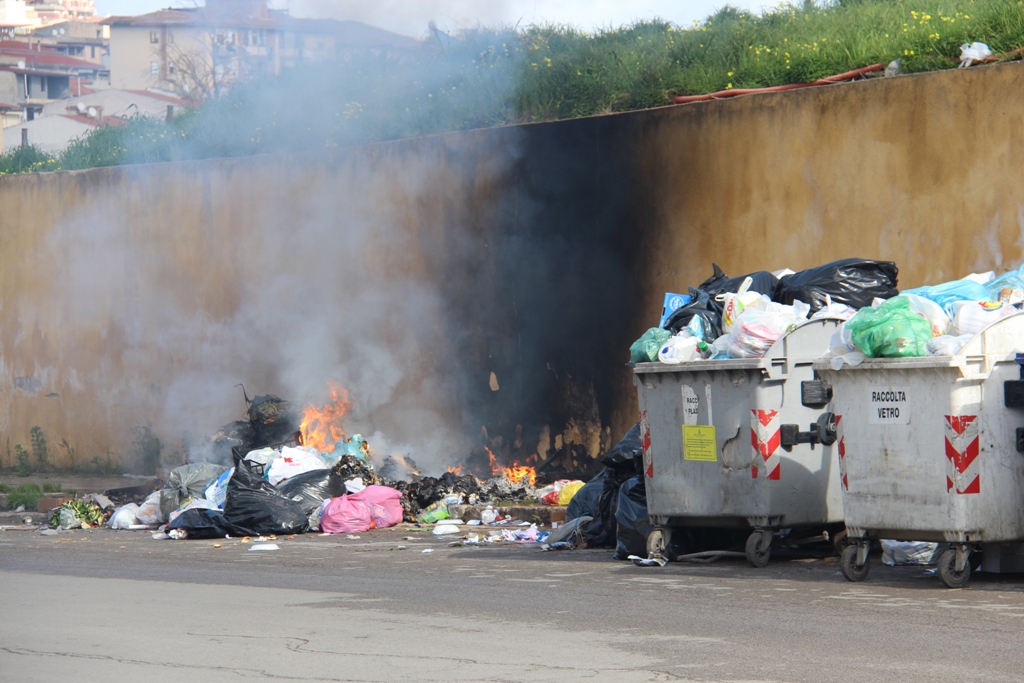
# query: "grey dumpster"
(741, 443)
(930, 449)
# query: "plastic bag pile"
(743, 317)
(282, 490)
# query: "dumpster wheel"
(948, 573)
(848, 564)
(659, 542)
(758, 551)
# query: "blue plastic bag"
(949, 293)
(1008, 287)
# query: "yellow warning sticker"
(699, 443)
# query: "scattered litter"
(49, 532)
(160, 536)
(264, 546)
(475, 522)
(444, 529)
(655, 560)
(218, 545)
(351, 537)
(910, 553)
(124, 517)
(428, 551)
(973, 53)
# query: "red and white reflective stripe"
(645, 445)
(766, 437)
(841, 448)
(962, 447)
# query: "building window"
(154, 37)
(93, 50)
(154, 68)
(170, 67)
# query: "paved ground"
(120, 606)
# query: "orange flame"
(516, 473)
(455, 470)
(321, 427)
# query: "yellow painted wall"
(142, 295)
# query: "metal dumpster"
(741, 443)
(930, 449)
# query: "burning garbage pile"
(282, 472)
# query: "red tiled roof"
(37, 59)
(351, 33)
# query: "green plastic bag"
(645, 349)
(890, 331)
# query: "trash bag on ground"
(124, 517)
(890, 331)
(294, 461)
(193, 504)
(645, 349)
(254, 503)
(852, 281)
(631, 520)
(207, 523)
(910, 553)
(217, 491)
(345, 515)
(569, 492)
(187, 481)
(311, 489)
(948, 293)
(628, 454)
(384, 503)
(149, 511)
(598, 499)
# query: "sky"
(410, 17)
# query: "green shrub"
(25, 494)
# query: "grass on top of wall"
(487, 77)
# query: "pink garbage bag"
(385, 504)
(345, 516)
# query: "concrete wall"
(412, 271)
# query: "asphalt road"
(119, 606)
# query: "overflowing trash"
(726, 318)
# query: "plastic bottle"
(488, 515)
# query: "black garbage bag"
(202, 523)
(708, 309)
(310, 489)
(627, 455)
(598, 499)
(631, 520)
(852, 281)
(254, 503)
(763, 282)
(702, 307)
